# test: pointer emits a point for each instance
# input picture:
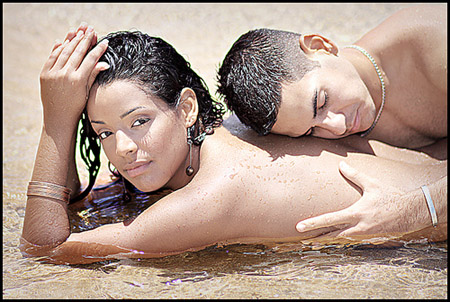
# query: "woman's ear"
(313, 43)
(188, 106)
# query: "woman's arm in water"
(179, 222)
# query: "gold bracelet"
(46, 189)
(427, 194)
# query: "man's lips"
(355, 125)
(136, 169)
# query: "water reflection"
(240, 271)
(303, 264)
(111, 203)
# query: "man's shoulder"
(418, 23)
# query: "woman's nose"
(124, 144)
(335, 123)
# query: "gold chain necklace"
(383, 89)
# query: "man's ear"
(188, 106)
(313, 43)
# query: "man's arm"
(438, 192)
(383, 210)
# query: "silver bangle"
(426, 192)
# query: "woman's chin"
(145, 187)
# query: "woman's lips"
(137, 169)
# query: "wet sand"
(203, 33)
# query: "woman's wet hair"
(157, 68)
(251, 75)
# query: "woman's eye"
(104, 135)
(140, 122)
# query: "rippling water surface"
(235, 271)
(203, 33)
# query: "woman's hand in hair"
(67, 75)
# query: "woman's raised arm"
(65, 81)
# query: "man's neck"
(367, 72)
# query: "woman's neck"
(181, 178)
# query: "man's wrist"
(431, 209)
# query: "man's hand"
(382, 210)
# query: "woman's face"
(330, 101)
(141, 135)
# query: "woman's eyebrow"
(97, 122)
(314, 103)
(122, 116)
(130, 111)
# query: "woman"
(160, 128)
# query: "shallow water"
(203, 33)
(235, 271)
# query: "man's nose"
(335, 123)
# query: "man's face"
(330, 101)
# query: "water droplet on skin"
(231, 176)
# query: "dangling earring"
(189, 169)
(126, 194)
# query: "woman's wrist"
(54, 155)
(47, 195)
(61, 127)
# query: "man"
(391, 86)
(298, 85)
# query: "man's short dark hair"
(252, 72)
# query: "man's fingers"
(334, 235)
(322, 221)
(360, 179)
